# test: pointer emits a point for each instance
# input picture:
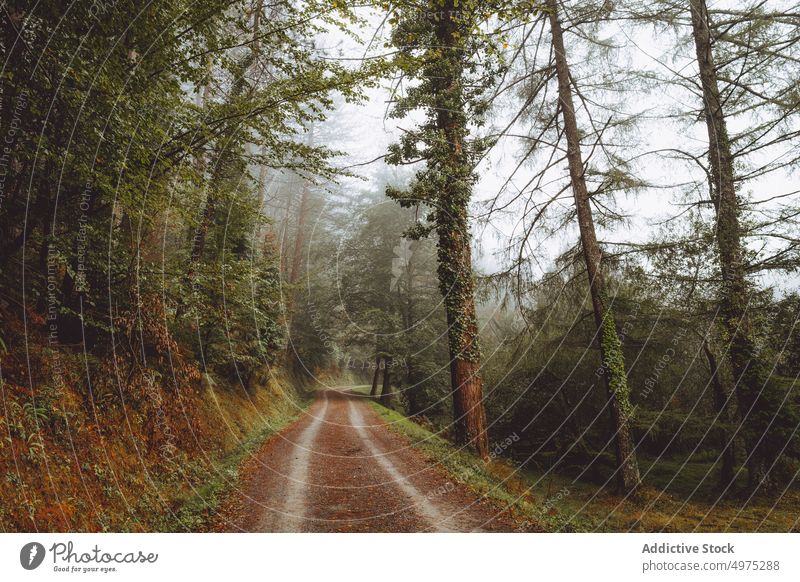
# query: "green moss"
(614, 364)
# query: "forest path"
(340, 468)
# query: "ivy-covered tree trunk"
(441, 47)
(613, 361)
(767, 423)
(294, 273)
(455, 255)
(455, 272)
(209, 205)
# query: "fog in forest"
(550, 249)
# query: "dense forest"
(561, 235)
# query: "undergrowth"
(198, 507)
(546, 501)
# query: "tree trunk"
(285, 227)
(722, 394)
(616, 381)
(750, 375)
(294, 274)
(455, 255)
(374, 392)
(387, 396)
(200, 235)
(201, 232)
(299, 235)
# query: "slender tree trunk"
(285, 227)
(201, 232)
(374, 392)
(415, 406)
(296, 269)
(616, 381)
(387, 396)
(302, 213)
(299, 235)
(721, 396)
(455, 255)
(210, 206)
(257, 10)
(750, 375)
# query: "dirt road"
(341, 469)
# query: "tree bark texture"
(455, 256)
(614, 375)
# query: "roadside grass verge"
(546, 501)
(362, 389)
(486, 479)
(216, 479)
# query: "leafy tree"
(564, 72)
(440, 51)
(610, 347)
(145, 128)
(744, 58)
(389, 290)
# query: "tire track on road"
(424, 507)
(341, 469)
(293, 515)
